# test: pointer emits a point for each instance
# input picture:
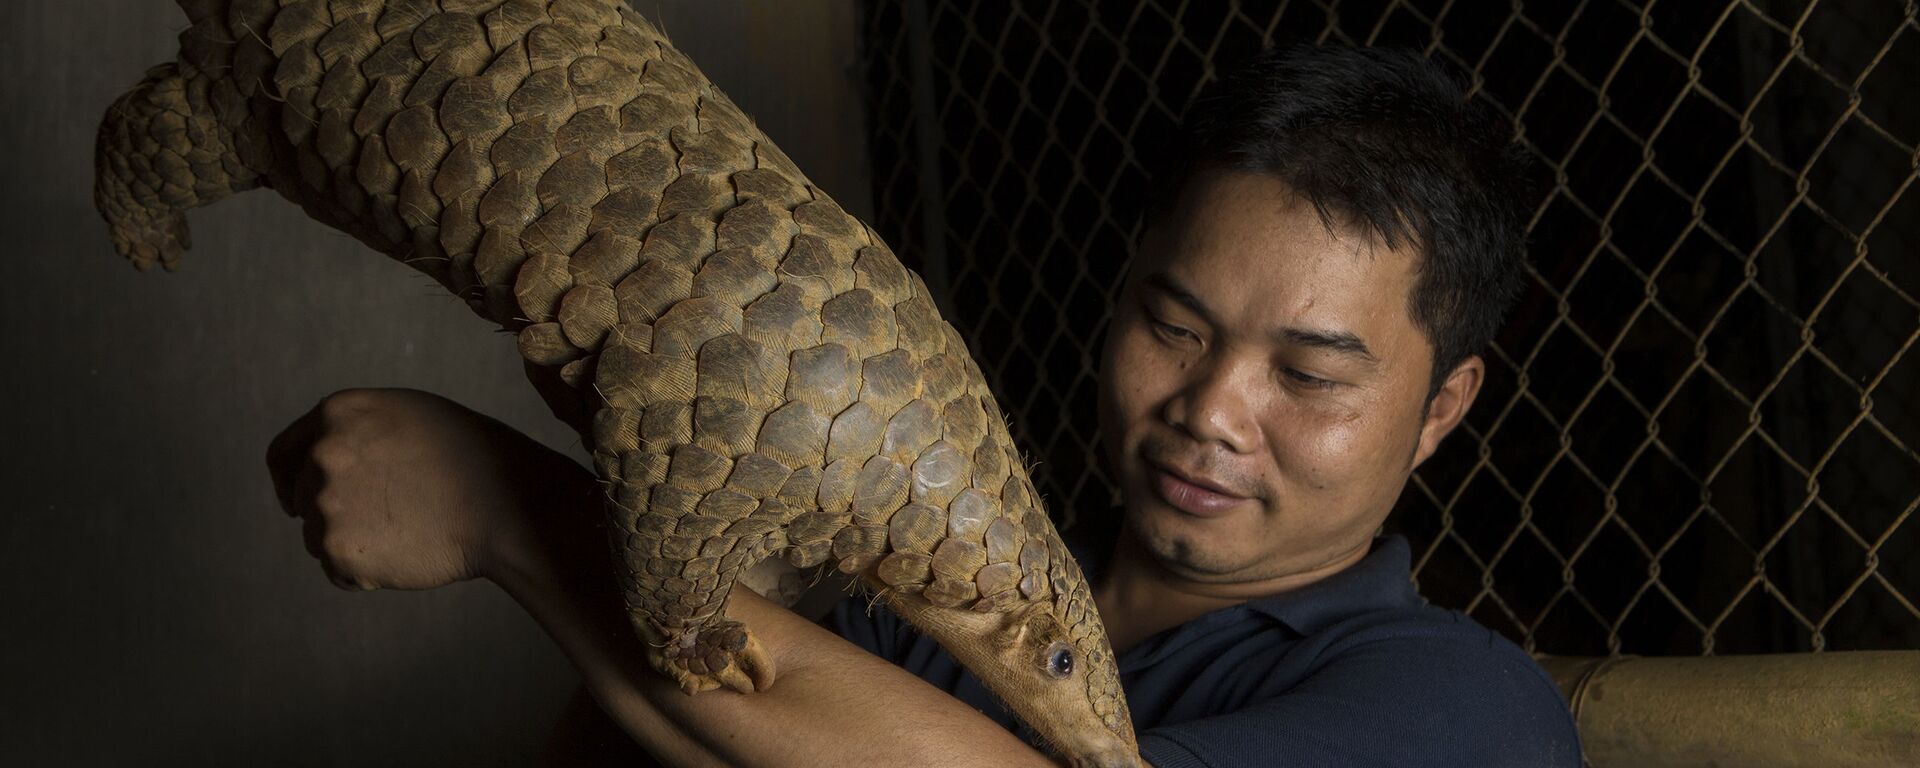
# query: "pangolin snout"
(1120, 756)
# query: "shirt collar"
(1382, 580)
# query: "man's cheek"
(1321, 451)
(1127, 387)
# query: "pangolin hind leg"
(720, 652)
(689, 559)
(160, 151)
(696, 508)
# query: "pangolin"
(756, 374)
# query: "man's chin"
(1189, 546)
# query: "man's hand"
(403, 489)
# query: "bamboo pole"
(1839, 709)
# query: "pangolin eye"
(1060, 664)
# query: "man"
(1298, 331)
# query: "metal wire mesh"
(1700, 427)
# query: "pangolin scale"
(755, 372)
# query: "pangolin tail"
(160, 152)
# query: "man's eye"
(1172, 330)
(1308, 380)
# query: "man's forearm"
(575, 613)
(831, 703)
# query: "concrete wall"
(159, 609)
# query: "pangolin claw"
(720, 654)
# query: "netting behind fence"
(1700, 426)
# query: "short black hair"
(1390, 143)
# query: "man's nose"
(1215, 404)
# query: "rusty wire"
(1700, 429)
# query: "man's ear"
(1450, 405)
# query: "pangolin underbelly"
(756, 373)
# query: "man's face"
(1263, 392)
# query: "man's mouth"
(1192, 493)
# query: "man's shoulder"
(1400, 687)
(1437, 641)
(1389, 646)
(1469, 687)
(1441, 640)
(1372, 609)
(1421, 628)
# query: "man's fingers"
(312, 532)
(338, 579)
(304, 493)
(288, 460)
(293, 440)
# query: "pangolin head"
(1064, 648)
(1049, 660)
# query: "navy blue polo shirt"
(1353, 670)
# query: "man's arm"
(404, 489)
(831, 704)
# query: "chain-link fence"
(1700, 426)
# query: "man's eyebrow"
(1179, 293)
(1341, 342)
